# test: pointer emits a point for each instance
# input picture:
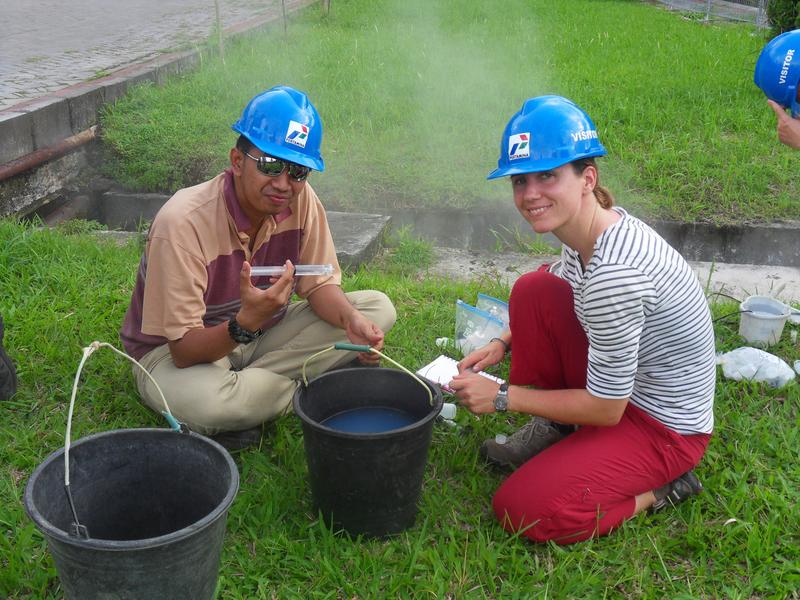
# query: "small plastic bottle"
(448, 411)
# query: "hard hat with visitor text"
(283, 123)
(778, 70)
(549, 131)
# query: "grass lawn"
(414, 96)
(63, 289)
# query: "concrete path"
(46, 45)
(737, 281)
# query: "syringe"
(279, 270)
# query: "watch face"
(501, 400)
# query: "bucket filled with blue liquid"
(366, 432)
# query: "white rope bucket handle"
(87, 352)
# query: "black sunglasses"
(272, 167)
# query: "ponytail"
(604, 197)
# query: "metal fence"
(750, 11)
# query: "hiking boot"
(533, 437)
(677, 491)
(238, 440)
(8, 373)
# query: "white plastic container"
(762, 323)
(448, 411)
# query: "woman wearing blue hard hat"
(777, 73)
(613, 348)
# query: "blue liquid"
(369, 420)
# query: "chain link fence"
(750, 11)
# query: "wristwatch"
(240, 334)
(501, 400)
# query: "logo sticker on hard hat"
(297, 134)
(785, 67)
(582, 136)
(519, 146)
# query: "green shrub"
(784, 15)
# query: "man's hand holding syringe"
(259, 305)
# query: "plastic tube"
(279, 270)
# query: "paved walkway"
(46, 45)
(732, 280)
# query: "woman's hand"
(485, 356)
(475, 392)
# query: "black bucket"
(154, 503)
(366, 483)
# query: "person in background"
(8, 372)
(612, 350)
(227, 347)
(777, 73)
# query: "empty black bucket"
(366, 483)
(154, 502)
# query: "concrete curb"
(40, 122)
(721, 282)
(358, 237)
(773, 244)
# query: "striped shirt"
(189, 274)
(648, 324)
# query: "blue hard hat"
(283, 123)
(778, 70)
(549, 131)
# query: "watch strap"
(241, 335)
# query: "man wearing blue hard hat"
(777, 73)
(612, 349)
(225, 346)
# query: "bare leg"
(644, 501)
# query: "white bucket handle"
(79, 530)
(87, 352)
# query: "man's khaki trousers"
(256, 381)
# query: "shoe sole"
(8, 375)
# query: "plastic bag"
(752, 364)
(497, 308)
(474, 327)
